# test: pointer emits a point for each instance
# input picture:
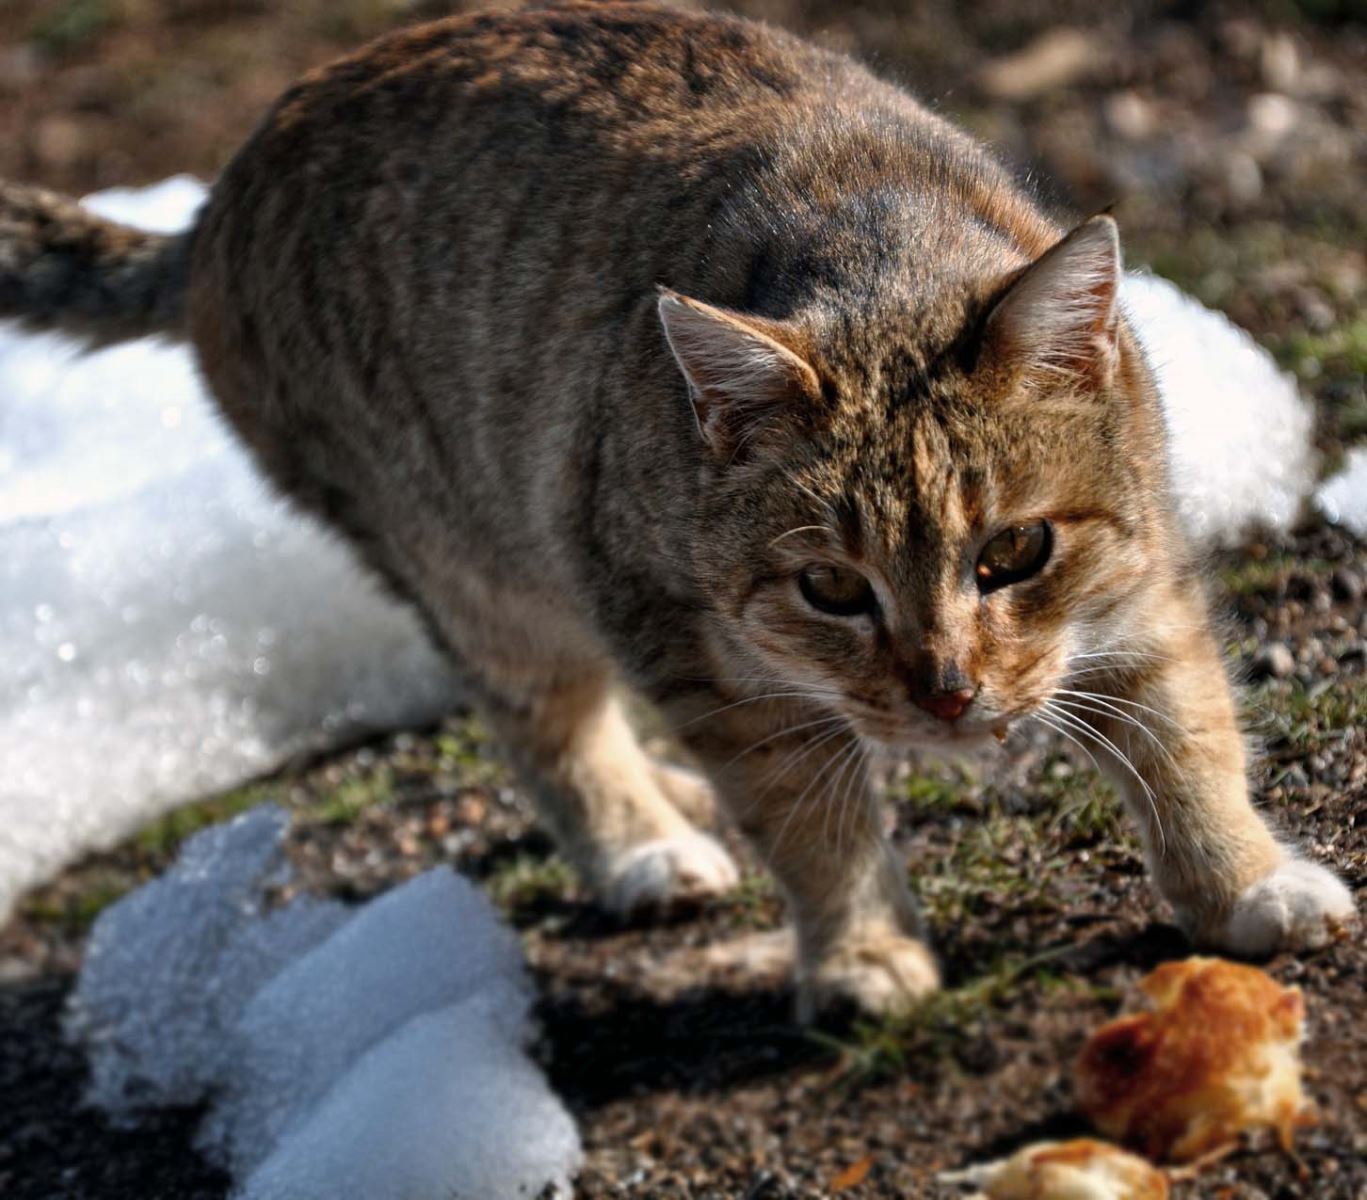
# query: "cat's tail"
(64, 268)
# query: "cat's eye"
(1016, 553)
(838, 591)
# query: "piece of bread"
(1218, 1055)
(1077, 1170)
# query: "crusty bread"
(1218, 1055)
(1081, 1169)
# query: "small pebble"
(1347, 584)
(1274, 660)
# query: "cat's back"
(614, 73)
(555, 111)
(482, 166)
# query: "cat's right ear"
(1060, 318)
(741, 375)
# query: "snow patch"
(169, 628)
(1343, 498)
(373, 1052)
(1238, 429)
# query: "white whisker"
(797, 804)
(1082, 727)
(1103, 709)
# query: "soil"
(1232, 140)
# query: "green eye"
(838, 591)
(1014, 554)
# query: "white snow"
(168, 628)
(1239, 431)
(1343, 498)
(372, 1053)
(460, 1112)
(302, 1030)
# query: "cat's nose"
(948, 706)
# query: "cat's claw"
(668, 871)
(880, 976)
(1299, 906)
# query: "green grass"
(1084, 804)
(75, 913)
(466, 751)
(943, 1023)
(754, 901)
(949, 791)
(352, 797)
(1304, 719)
(1337, 356)
(1257, 576)
(983, 872)
(1340, 350)
(68, 26)
(164, 835)
(528, 882)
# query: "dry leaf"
(853, 1175)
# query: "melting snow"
(375, 1052)
(1343, 499)
(169, 629)
(1239, 431)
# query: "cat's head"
(930, 539)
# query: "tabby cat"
(642, 347)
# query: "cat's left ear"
(744, 373)
(1060, 318)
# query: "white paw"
(1300, 906)
(667, 871)
(881, 976)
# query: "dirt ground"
(1232, 140)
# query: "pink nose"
(948, 706)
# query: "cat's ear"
(1060, 318)
(741, 375)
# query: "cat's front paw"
(1299, 906)
(881, 976)
(667, 872)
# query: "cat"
(634, 346)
